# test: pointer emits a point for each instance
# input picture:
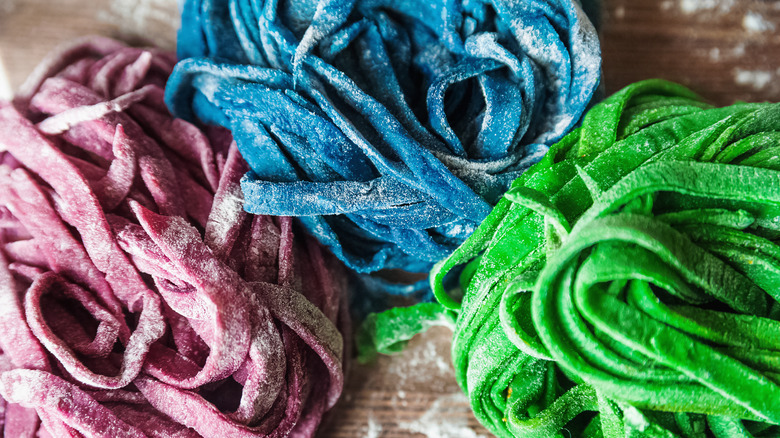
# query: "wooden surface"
(726, 50)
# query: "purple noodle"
(137, 298)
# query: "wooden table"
(726, 50)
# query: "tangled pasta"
(627, 285)
(138, 298)
(390, 128)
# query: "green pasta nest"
(628, 284)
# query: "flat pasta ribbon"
(389, 128)
(627, 285)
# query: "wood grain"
(410, 395)
(726, 50)
(29, 29)
(716, 47)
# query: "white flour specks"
(635, 418)
(444, 420)
(714, 54)
(440, 411)
(725, 54)
(374, 429)
(426, 357)
(756, 23)
(757, 79)
(696, 6)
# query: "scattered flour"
(694, 6)
(755, 22)
(620, 12)
(427, 357)
(425, 363)
(758, 79)
(443, 420)
(635, 418)
(725, 54)
(738, 50)
(715, 54)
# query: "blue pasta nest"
(389, 127)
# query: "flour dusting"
(694, 6)
(374, 429)
(441, 410)
(725, 54)
(756, 23)
(427, 357)
(443, 420)
(758, 79)
(715, 54)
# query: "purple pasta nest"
(137, 298)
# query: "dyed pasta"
(138, 299)
(627, 284)
(389, 128)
